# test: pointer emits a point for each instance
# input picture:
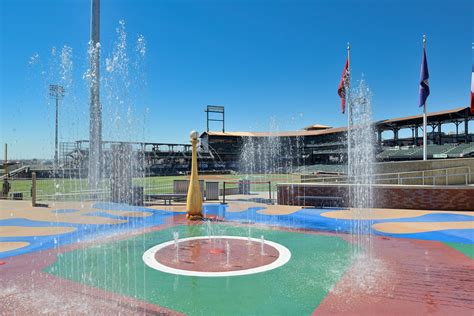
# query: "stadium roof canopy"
(448, 116)
(316, 127)
(278, 134)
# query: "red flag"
(341, 89)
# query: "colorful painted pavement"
(25, 229)
(88, 257)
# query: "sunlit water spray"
(123, 77)
(227, 252)
(361, 163)
(361, 158)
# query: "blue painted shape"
(465, 236)
(108, 215)
(436, 217)
(312, 219)
(83, 231)
(31, 223)
(111, 206)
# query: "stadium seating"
(432, 151)
(461, 150)
(321, 168)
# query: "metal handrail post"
(33, 189)
(270, 190)
(223, 194)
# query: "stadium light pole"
(56, 92)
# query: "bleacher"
(336, 151)
(322, 168)
(326, 144)
(432, 151)
(461, 150)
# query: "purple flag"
(424, 75)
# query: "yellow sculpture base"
(194, 217)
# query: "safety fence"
(71, 189)
(446, 176)
(248, 188)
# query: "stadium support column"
(5, 161)
(416, 135)
(457, 131)
(466, 128)
(395, 136)
(440, 141)
(95, 127)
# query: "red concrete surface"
(26, 290)
(409, 277)
(199, 255)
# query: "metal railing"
(245, 187)
(427, 177)
(14, 172)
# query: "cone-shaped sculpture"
(194, 200)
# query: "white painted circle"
(284, 256)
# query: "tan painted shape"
(169, 208)
(20, 209)
(129, 213)
(420, 227)
(12, 245)
(385, 214)
(22, 231)
(242, 206)
(280, 210)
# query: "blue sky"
(272, 64)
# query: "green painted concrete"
(296, 288)
(467, 249)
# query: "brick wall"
(454, 198)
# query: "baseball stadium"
(370, 217)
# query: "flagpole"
(349, 112)
(424, 115)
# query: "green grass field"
(70, 189)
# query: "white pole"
(95, 125)
(424, 131)
(424, 116)
(349, 112)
